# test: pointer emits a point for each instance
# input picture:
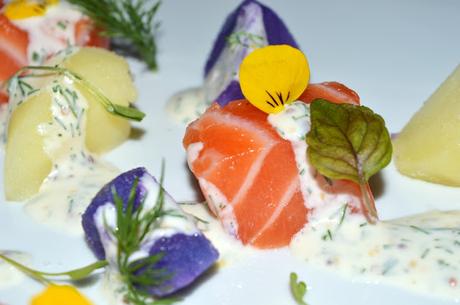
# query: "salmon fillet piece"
(248, 173)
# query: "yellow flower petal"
(60, 295)
(21, 9)
(273, 76)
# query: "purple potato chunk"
(231, 93)
(277, 31)
(242, 19)
(183, 256)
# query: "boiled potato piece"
(27, 161)
(428, 147)
(110, 73)
(26, 164)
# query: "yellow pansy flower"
(21, 9)
(273, 76)
(60, 295)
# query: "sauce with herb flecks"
(50, 33)
(187, 105)
(420, 253)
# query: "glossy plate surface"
(393, 53)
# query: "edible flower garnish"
(59, 295)
(22, 9)
(298, 288)
(274, 76)
(122, 111)
(348, 142)
(128, 20)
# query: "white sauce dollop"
(187, 105)
(50, 33)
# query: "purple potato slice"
(184, 253)
(249, 26)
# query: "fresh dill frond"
(133, 225)
(129, 20)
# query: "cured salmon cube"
(250, 176)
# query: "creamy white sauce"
(51, 32)
(76, 174)
(3, 124)
(112, 288)
(248, 34)
(231, 250)
(9, 275)
(187, 105)
(421, 253)
(293, 123)
(220, 206)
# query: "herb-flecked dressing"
(421, 253)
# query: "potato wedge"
(30, 155)
(26, 163)
(428, 147)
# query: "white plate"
(393, 53)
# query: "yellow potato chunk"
(26, 164)
(428, 147)
(110, 73)
(28, 159)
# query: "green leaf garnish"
(298, 289)
(44, 277)
(348, 142)
(122, 111)
(133, 225)
(130, 20)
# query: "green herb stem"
(122, 111)
(368, 203)
(76, 274)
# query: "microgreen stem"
(122, 111)
(30, 272)
(76, 274)
(368, 203)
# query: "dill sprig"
(129, 20)
(133, 225)
(122, 111)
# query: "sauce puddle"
(420, 253)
